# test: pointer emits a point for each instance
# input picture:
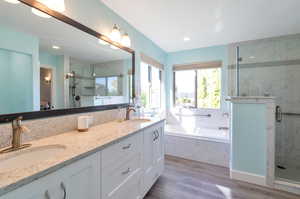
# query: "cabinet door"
(40, 194)
(76, 181)
(43, 188)
(82, 179)
(159, 154)
(149, 161)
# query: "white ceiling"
(208, 22)
(73, 42)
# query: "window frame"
(106, 84)
(196, 87)
(149, 80)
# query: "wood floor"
(185, 179)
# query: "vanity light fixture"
(48, 79)
(126, 40)
(13, 1)
(55, 47)
(115, 34)
(57, 5)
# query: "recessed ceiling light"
(252, 57)
(186, 39)
(56, 47)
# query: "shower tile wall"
(272, 67)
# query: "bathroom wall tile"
(211, 152)
(41, 128)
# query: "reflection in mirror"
(46, 64)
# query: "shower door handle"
(278, 114)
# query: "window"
(150, 86)
(199, 88)
(107, 86)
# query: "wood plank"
(186, 179)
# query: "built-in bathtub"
(201, 135)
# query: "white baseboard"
(287, 186)
(248, 177)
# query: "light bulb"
(126, 40)
(115, 34)
(13, 1)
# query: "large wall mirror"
(48, 65)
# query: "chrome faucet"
(128, 110)
(17, 130)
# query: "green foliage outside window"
(209, 88)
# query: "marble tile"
(217, 153)
(42, 128)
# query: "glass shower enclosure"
(271, 67)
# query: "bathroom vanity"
(115, 160)
(52, 66)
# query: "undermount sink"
(30, 156)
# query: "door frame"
(53, 83)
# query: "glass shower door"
(271, 67)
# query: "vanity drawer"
(122, 151)
(116, 177)
(128, 190)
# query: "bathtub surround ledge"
(202, 150)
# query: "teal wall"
(23, 44)
(56, 61)
(197, 55)
(15, 82)
(248, 142)
(101, 18)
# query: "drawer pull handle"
(47, 195)
(64, 189)
(126, 147)
(126, 172)
(156, 134)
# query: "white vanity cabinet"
(153, 155)
(126, 169)
(76, 181)
(122, 169)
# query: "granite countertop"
(78, 145)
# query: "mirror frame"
(67, 111)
